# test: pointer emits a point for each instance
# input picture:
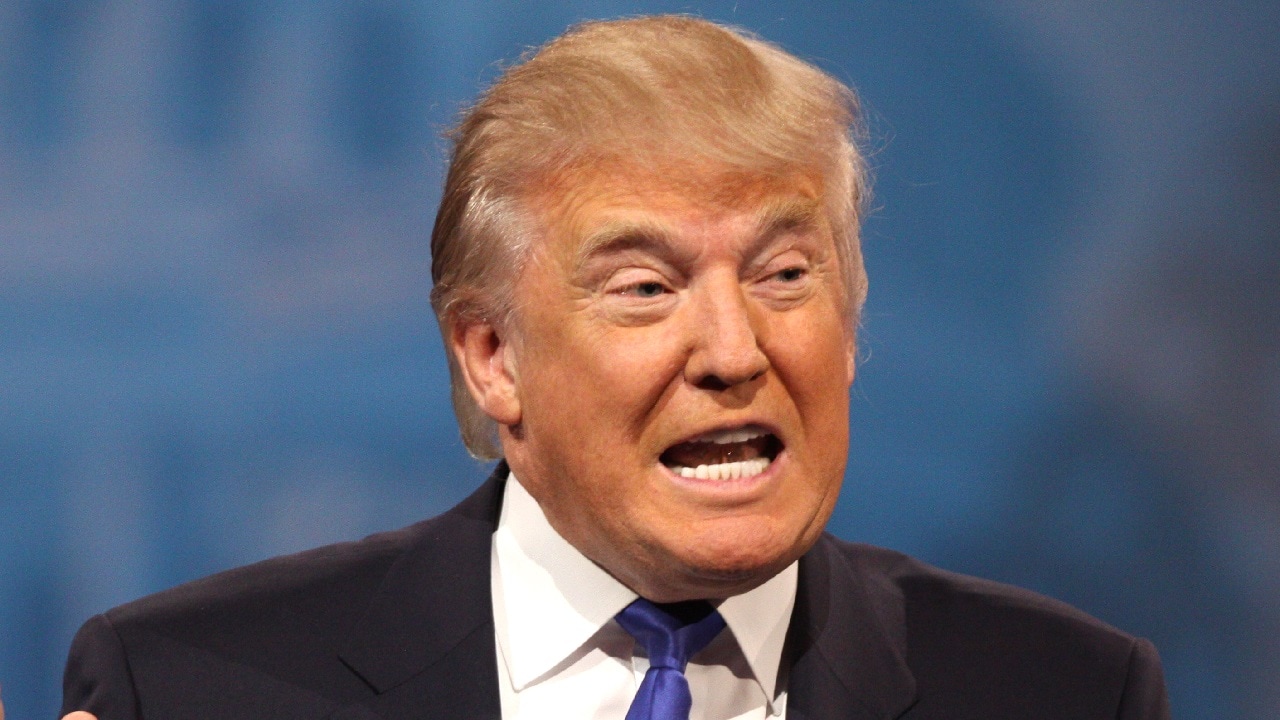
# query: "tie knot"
(671, 633)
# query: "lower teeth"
(724, 471)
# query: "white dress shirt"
(562, 655)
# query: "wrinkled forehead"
(574, 201)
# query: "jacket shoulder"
(239, 638)
(272, 639)
(944, 596)
(324, 584)
(304, 582)
(971, 642)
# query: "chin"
(730, 565)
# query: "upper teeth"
(724, 437)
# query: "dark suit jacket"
(400, 625)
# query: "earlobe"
(484, 357)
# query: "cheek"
(815, 356)
(630, 369)
(597, 389)
(813, 368)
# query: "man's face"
(680, 362)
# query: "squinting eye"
(791, 274)
(649, 289)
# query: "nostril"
(716, 383)
(713, 383)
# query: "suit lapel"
(846, 642)
(426, 643)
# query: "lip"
(730, 427)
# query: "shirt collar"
(553, 599)
(759, 620)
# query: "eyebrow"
(791, 214)
(626, 235)
(777, 218)
(773, 219)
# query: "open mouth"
(723, 454)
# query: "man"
(647, 271)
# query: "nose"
(726, 348)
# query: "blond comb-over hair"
(646, 92)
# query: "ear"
(486, 360)
(851, 355)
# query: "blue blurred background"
(216, 345)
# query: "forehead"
(577, 203)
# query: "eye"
(647, 289)
(787, 280)
(791, 274)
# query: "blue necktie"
(671, 634)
